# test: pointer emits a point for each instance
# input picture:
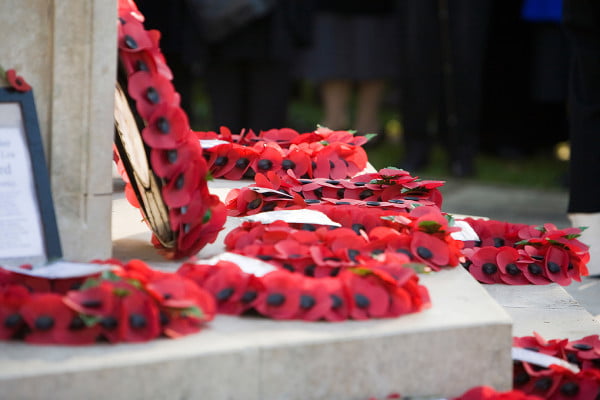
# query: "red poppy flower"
(329, 164)
(556, 264)
(270, 157)
(139, 320)
(204, 232)
(96, 300)
(17, 82)
(532, 265)
(281, 297)
(239, 160)
(367, 294)
(508, 263)
(132, 35)
(296, 160)
(283, 137)
(484, 265)
(180, 188)
(585, 351)
(229, 284)
(12, 298)
(429, 250)
(167, 128)
(315, 300)
(149, 91)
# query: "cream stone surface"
(66, 50)
(546, 309)
(462, 341)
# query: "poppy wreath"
(556, 382)
(129, 303)
(323, 153)
(422, 237)
(192, 217)
(371, 289)
(389, 188)
(519, 254)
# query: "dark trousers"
(248, 94)
(441, 72)
(582, 21)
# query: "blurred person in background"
(442, 51)
(582, 22)
(353, 54)
(247, 49)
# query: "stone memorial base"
(462, 341)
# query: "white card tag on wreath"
(249, 265)
(304, 216)
(270, 191)
(62, 270)
(209, 143)
(466, 233)
(543, 360)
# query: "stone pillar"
(66, 49)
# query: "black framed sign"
(28, 230)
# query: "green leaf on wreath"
(370, 136)
(121, 292)
(207, 216)
(418, 267)
(572, 236)
(429, 226)
(89, 320)
(193, 311)
(89, 283)
(522, 242)
(110, 276)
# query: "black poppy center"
(242, 163)
(307, 302)
(44, 323)
(224, 294)
(109, 322)
(498, 242)
(535, 269)
(76, 324)
(275, 299)
(249, 297)
(512, 269)
(582, 346)
(172, 156)
(13, 320)
(569, 389)
(163, 125)
(489, 268)
(288, 164)
(164, 318)
(137, 321)
(424, 252)
(365, 193)
(361, 300)
(180, 182)
(358, 227)
(130, 42)
(264, 165)
(352, 254)
(152, 95)
(254, 204)
(92, 303)
(553, 267)
(336, 301)
(221, 161)
(543, 384)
